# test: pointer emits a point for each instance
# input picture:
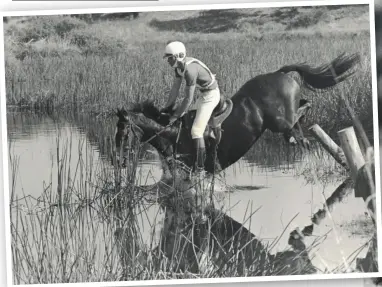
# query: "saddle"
(218, 116)
(220, 113)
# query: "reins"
(158, 133)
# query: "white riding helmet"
(175, 49)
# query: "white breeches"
(204, 108)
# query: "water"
(261, 182)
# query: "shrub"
(306, 19)
(93, 44)
(36, 28)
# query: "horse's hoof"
(292, 141)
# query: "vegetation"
(65, 62)
(76, 230)
(86, 226)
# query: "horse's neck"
(160, 139)
(149, 130)
(152, 130)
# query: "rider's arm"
(189, 90)
(174, 93)
(187, 101)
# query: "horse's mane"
(147, 108)
(136, 117)
(141, 115)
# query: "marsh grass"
(98, 83)
(66, 234)
(52, 233)
(86, 226)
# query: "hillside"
(62, 34)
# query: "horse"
(237, 122)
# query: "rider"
(196, 74)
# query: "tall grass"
(66, 234)
(85, 226)
(91, 83)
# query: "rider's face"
(171, 60)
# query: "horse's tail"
(326, 75)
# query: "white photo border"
(185, 7)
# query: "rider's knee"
(196, 132)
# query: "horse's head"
(127, 131)
(134, 128)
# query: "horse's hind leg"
(302, 110)
(296, 135)
(286, 109)
(302, 140)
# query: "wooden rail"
(360, 164)
(329, 145)
(351, 157)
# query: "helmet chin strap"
(175, 64)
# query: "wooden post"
(352, 151)
(362, 173)
(328, 144)
(365, 185)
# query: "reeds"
(99, 84)
(86, 226)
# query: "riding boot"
(200, 154)
(199, 174)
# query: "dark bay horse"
(260, 104)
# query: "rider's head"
(174, 52)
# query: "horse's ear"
(122, 114)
